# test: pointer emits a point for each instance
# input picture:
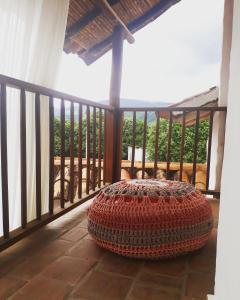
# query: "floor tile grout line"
(182, 277)
(74, 241)
(88, 274)
(115, 274)
(184, 286)
(134, 281)
(17, 291)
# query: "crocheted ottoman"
(150, 218)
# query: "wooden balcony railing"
(184, 117)
(80, 167)
(81, 111)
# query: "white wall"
(138, 154)
(216, 155)
(228, 249)
(218, 138)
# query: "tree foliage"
(176, 142)
(163, 140)
(127, 139)
(57, 137)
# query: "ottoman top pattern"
(150, 188)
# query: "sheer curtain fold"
(31, 42)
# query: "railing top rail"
(170, 108)
(34, 88)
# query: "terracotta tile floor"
(61, 261)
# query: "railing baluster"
(4, 163)
(51, 154)
(209, 149)
(156, 145)
(144, 144)
(182, 144)
(133, 144)
(62, 198)
(94, 150)
(169, 144)
(88, 150)
(104, 145)
(23, 158)
(99, 147)
(117, 166)
(80, 151)
(195, 148)
(71, 188)
(38, 157)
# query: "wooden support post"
(116, 76)
(114, 118)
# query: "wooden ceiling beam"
(106, 8)
(76, 27)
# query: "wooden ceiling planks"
(89, 29)
(77, 10)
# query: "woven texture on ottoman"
(150, 218)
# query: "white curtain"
(31, 42)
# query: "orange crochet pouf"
(150, 218)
